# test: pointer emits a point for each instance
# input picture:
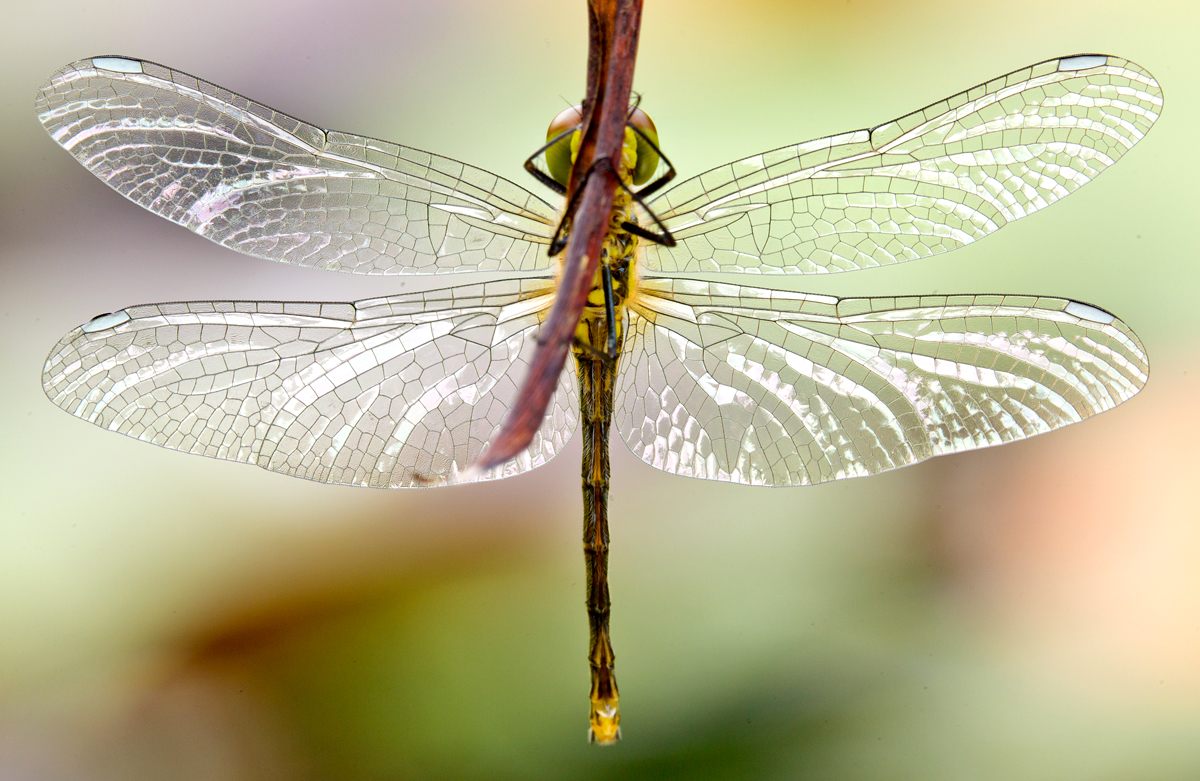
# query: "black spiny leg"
(540, 175)
(661, 181)
(610, 313)
(562, 233)
(609, 354)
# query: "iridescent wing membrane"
(765, 387)
(718, 381)
(391, 392)
(928, 182)
(269, 185)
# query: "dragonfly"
(715, 379)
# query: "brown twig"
(613, 27)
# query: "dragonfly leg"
(609, 353)
(599, 354)
(661, 181)
(610, 314)
(563, 233)
(664, 237)
(537, 173)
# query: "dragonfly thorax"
(604, 314)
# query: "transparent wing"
(266, 184)
(391, 392)
(925, 183)
(772, 388)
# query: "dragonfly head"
(639, 157)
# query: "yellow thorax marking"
(619, 244)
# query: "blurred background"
(1030, 611)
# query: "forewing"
(771, 388)
(269, 185)
(393, 392)
(925, 183)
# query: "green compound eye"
(647, 158)
(560, 156)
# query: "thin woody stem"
(612, 50)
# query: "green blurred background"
(1031, 611)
